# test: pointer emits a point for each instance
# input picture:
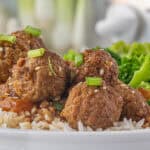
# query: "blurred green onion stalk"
(63, 22)
(62, 32)
(45, 18)
(26, 12)
(79, 24)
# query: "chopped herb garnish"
(33, 31)
(70, 55)
(96, 48)
(8, 38)
(52, 72)
(36, 53)
(78, 60)
(58, 106)
(94, 81)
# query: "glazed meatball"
(96, 63)
(37, 79)
(97, 107)
(135, 106)
(10, 53)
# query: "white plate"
(13, 139)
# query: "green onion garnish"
(8, 38)
(36, 53)
(78, 60)
(70, 55)
(148, 102)
(52, 72)
(33, 31)
(96, 48)
(94, 81)
(58, 106)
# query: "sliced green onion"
(52, 72)
(36, 53)
(70, 55)
(8, 38)
(78, 60)
(65, 57)
(58, 106)
(148, 102)
(93, 81)
(96, 48)
(33, 31)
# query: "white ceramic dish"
(13, 139)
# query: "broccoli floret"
(132, 58)
(120, 47)
(127, 68)
(145, 85)
(114, 55)
(143, 74)
(138, 49)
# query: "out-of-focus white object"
(26, 12)
(86, 15)
(3, 19)
(45, 16)
(142, 4)
(123, 22)
(62, 31)
(12, 25)
(78, 36)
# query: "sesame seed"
(96, 90)
(37, 68)
(10, 84)
(104, 88)
(60, 69)
(143, 104)
(1, 49)
(133, 91)
(101, 71)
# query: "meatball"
(96, 63)
(10, 53)
(135, 106)
(97, 107)
(37, 79)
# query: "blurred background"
(79, 23)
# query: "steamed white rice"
(13, 120)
